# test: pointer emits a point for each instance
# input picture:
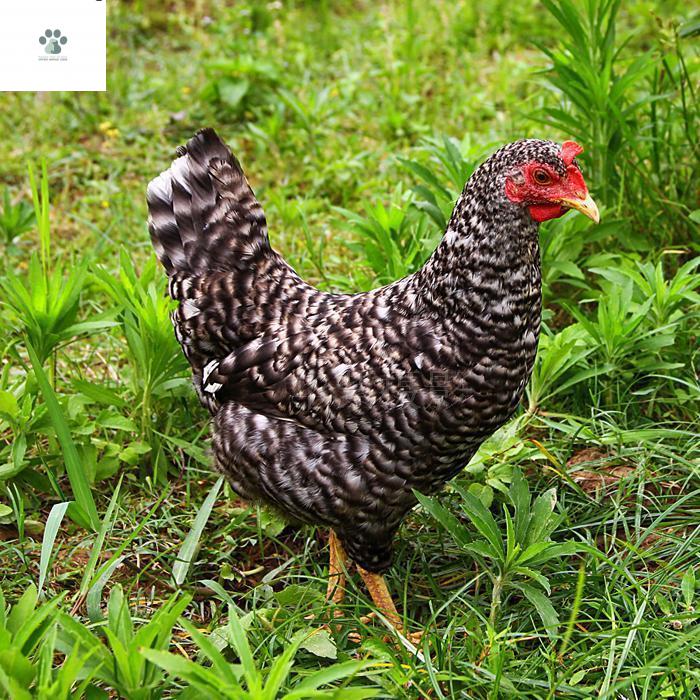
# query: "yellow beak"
(586, 206)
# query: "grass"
(561, 563)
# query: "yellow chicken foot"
(376, 585)
(337, 568)
(338, 563)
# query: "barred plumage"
(334, 407)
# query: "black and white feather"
(334, 407)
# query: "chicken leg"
(376, 585)
(337, 568)
(338, 564)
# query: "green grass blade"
(99, 541)
(222, 667)
(86, 513)
(110, 563)
(22, 610)
(93, 596)
(326, 676)
(204, 679)
(279, 671)
(189, 546)
(240, 643)
(53, 522)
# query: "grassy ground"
(357, 123)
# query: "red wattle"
(544, 212)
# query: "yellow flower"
(105, 126)
(186, 90)
(105, 204)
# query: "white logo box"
(52, 45)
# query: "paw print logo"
(52, 41)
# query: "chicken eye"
(541, 177)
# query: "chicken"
(333, 408)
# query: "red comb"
(569, 151)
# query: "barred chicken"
(333, 408)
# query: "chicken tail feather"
(203, 215)
(210, 234)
